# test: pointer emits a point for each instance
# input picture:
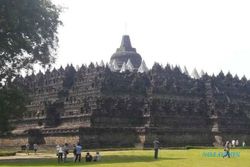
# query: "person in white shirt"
(243, 144)
(237, 143)
(233, 143)
(59, 150)
(97, 157)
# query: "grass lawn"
(144, 158)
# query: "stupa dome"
(126, 52)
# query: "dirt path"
(30, 156)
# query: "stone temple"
(124, 104)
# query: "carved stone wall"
(97, 104)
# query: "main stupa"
(125, 57)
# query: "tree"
(12, 105)
(28, 36)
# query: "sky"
(209, 35)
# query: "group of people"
(63, 151)
(236, 143)
(27, 148)
(228, 146)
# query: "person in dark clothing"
(27, 147)
(65, 151)
(156, 148)
(35, 147)
(88, 157)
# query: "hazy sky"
(209, 35)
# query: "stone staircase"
(213, 114)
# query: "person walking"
(156, 148)
(227, 150)
(78, 152)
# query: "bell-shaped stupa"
(126, 52)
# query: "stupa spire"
(126, 44)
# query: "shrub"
(7, 154)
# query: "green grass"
(144, 158)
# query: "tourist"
(156, 147)
(74, 152)
(65, 151)
(78, 152)
(233, 143)
(35, 147)
(97, 157)
(230, 144)
(237, 143)
(27, 147)
(243, 144)
(88, 157)
(227, 149)
(59, 150)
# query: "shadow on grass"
(107, 159)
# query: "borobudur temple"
(125, 104)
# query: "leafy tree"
(28, 36)
(12, 105)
